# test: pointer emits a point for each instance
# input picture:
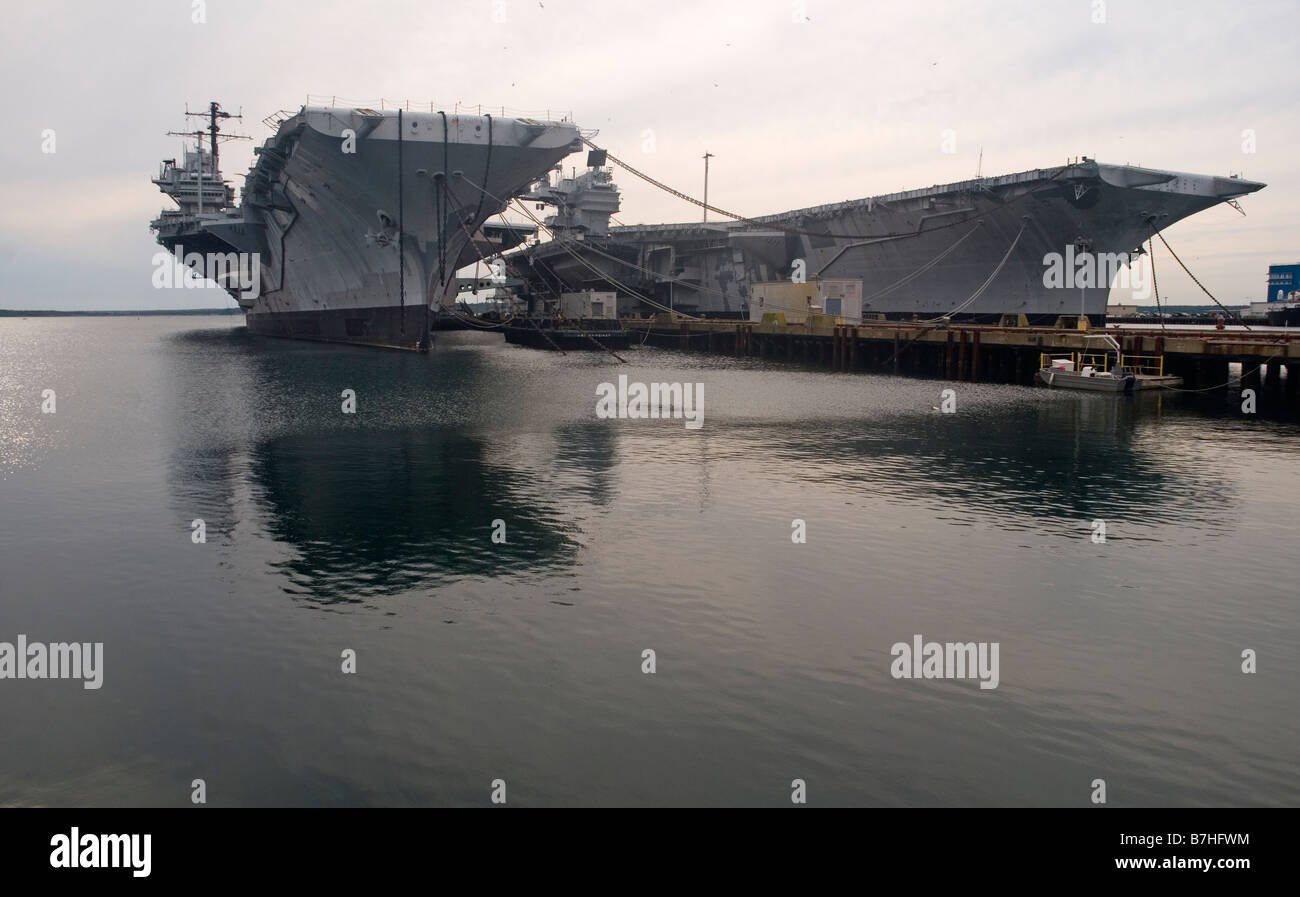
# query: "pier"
(1270, 360)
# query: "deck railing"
(1144, 365)
(1097, 360)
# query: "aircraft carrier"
(356, 219)
(969, 251)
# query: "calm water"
(523, 661)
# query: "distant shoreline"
(52, 313)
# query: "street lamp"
(707, 156)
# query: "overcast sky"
(849, 103)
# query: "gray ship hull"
(326, 223)
(937, 252)
(381, 325)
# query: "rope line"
(985, 285)
(1197, 282)
(924, 268)
(1155, 284)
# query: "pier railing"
(1149, 365)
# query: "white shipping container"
(796, 301)
(793, 300)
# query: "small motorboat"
(1088, 378)
(1092, 371)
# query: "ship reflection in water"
(373, 503)
(418, 511)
